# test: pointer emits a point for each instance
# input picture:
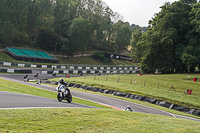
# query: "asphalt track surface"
(11, 100)
(52, 103)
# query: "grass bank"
(154, 86)
(91, 121)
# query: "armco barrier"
(132, 96)
(65, 71)
(15, 71)
(71, 66)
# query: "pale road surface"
(10, 100)
(113, 102)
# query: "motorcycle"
(63, 93)
(129, 110)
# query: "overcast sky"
(137, 12)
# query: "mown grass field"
(103, 119)
(91, 121)
(155, 86)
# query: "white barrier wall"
(101, 68)
(53, 66)
(92, 71)
(107, 71)
(21, 65)
(44, 72)
(71, 67)
(65, 71)
(34, 66)
(75, 71)
(80, 68)
(63, 67)
(84, 71)
(7, 63)
(10, 70)
(44, 66)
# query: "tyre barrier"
(176, 107)
(16, 71)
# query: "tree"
(46, 39)
(166, 31)
(136, 47)
(7, 32)
(66, 47)
(121, 36)
(191, 57)
(79, 34)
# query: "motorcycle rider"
(65, 84)
(128, 108)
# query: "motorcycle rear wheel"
(69, 100)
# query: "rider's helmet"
(128, 106)
(61, 81)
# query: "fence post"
(144, 82)
(107, 78)
(131, 80)
(118, 80)
(95, 77)
(158, 84)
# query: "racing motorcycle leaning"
(63, 93)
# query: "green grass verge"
(151, 86)
(5, 57)
(91, 121)
(10, 86)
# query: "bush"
(99, 56)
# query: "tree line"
(63, 26)
(172, 40)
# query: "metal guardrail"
(70, 66)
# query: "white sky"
(137, 12)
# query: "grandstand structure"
(30, 55)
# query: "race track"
(10, 100)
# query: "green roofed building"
(30, 55)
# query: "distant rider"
(128, 108)
(26, 78)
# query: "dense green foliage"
(171, 42)
(99, 56)
(62, 26)
(137, 27)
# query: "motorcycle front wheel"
(59, 97)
